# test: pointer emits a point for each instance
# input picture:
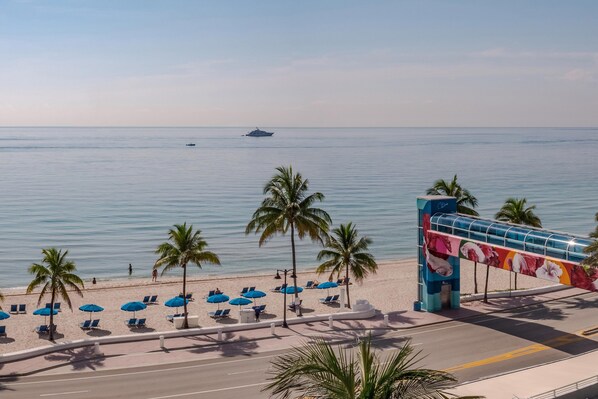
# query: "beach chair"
(211, 293)
(225, 313)
(276, 289)
(57, 306)
(340, 281)
(2, 331)
(22, 308)
(140, 323)
(310, 284)
(146, 299)
(189, 296)
(131, 322)
(294, 306)
(216, 314)
(86, 325)
(245, 290)
(43, 329)
(262, 308)
(153, 299)
(95, 324)
(251, 289)
(48, 306)
(13, 309)
(326, 300)
(334, 299)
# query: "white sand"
(393, 288)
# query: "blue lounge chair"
(95, 324)
(262, 308)
(13, 309)
(189, 296)
(57, 306)
(140, 323)
(225, 313)
(276, 289)
(310, 284)
(2, 331)
(154, 299)
(326, 300)
(245, 290)
(48, 305)
(340, 281)
(86, 325)
(131, 322)
(294, 306)
(146, 299)
(43, 329)
(251, 288)
(171, 317)
(22, 308)
(334, 299)
(216, 314)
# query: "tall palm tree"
(55, 275)
(184, 246)
(346, 252)
(466, 204)
(592, 249)
(289, 208)
(317, 371)
(514, 210)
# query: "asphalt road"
(478, 347)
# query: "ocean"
(109, 195)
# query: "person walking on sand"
(257, 313)
(130, 269)
(155, 275)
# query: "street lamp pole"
(284, 309)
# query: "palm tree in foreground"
(289, 208)
(514, 210)
(317, 371)
(346, 252)
(55, 275)
(466, 204)
(592, 249)
(184, 246)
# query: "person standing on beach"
(130, 269)
(155, 275)
(257, 313)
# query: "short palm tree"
(466, 204)
(55, 275)
(346, 253)
(317, 371)
(592, 249)
(184, 246)
(288, 208)
(514, 210)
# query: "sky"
(320, 63)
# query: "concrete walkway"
(253, 342)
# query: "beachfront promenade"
(474, 342)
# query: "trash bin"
(247, 316)
(417, 306)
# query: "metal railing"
(555, 393)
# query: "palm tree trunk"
(185, 322)
(347, 285)
(475, 277)
(297, 307)
(516, 280)
(52, 315)
(486, 285)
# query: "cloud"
(580, 75)
(500, 52)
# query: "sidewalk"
(254, 342)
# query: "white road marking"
(210, 391)
(62, 393)
(245, 372)
(136, 372)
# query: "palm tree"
(592, 249)
(289, 208)
(514, 210)
(346, 252)
(184, 246)
(317, 371)
(55, 275)
(466, 203)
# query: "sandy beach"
(393, 288)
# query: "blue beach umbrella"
(218, 298)
(91, 308)
(176, 302)
(133, 307)
(240, 301)
(45, 312)
(4, 315)
(254, 295)
(291, 290)
(327, 285)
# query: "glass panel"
(498, 230)
(556, 253)
(514, 243)
(463, 223)
(477, 236)
(480, 226)
(537, 238)
(496, 240)
(558, 241)
(537, 249)
(517, 233)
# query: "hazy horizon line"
(285, 127)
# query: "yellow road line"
(527, 350)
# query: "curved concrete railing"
(361, 310)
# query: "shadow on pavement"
(80, 359)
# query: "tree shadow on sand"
(79, 359)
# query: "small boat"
(259, 133)
(190, 145)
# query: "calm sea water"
(109, 195)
